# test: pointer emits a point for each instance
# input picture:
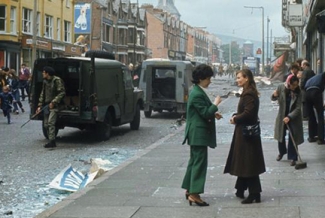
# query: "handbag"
(252, 130)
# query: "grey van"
(166, 85)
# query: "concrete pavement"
(148, 185)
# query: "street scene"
(162, 108)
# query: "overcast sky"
(229, 17)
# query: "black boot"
(51, 144)
(240, 194)
(251, 198)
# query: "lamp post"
(267, 41)
(263, 52)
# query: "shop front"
(10, 55)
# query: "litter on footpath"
(72, 180)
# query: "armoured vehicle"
(99, 94)
(166, 85)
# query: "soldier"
(51, 97)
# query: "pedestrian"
(307, 73)
(200, 133)
(13, 83)
(3, 81)
(289, 98)
(6, 99)
(314, 100)
(51, 97)
(294, 69)
(245, 159)
(24, 75)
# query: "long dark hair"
(251, 82)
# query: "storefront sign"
(295, 15)
(284, 12)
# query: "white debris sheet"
(71, 180)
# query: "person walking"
(24, 75)
(314, 100)
(245, 159)
(200, 133)
(52, 96)
(13, 83)
(289, 97)
(6, 99)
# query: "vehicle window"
(127, 79)
(164, 73)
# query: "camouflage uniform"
(53, 91)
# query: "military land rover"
(166, 85)
(99, 94)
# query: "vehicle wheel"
(105, 128)
(147, 114)
(45, 133)
(135, 124)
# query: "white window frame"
(13, 15)
(38, 24)
(48, 26)
(58, 29)
(3, 19)
(27, 24)
(67, 3)
(67, 31)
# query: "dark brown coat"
(245, 157)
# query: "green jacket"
(53, 91)
(200, 119)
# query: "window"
(58, 29)
(13, 20)
(48, 26)
(27, 21)
(67, 3)
(131, 36)
(106, 33)
(38, 21)
(2, 18)
(67, 31)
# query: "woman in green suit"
(200, 133)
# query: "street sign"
(29, 41)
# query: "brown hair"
(251, 82)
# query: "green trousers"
(196, 172)
(49, 123)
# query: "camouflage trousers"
(49, 123)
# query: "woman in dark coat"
(289, 98)
(200, 133)
(245, 159)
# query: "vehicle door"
(147, 76)
(128, 93)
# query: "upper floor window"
(13, 20)
(27, 20)
(67, 31)
(48, 26)
(58, 29)
(38, 21)
(67, 3)
(106, 33)
(2, 18)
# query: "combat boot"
(50, 144)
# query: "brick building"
(53, 31)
